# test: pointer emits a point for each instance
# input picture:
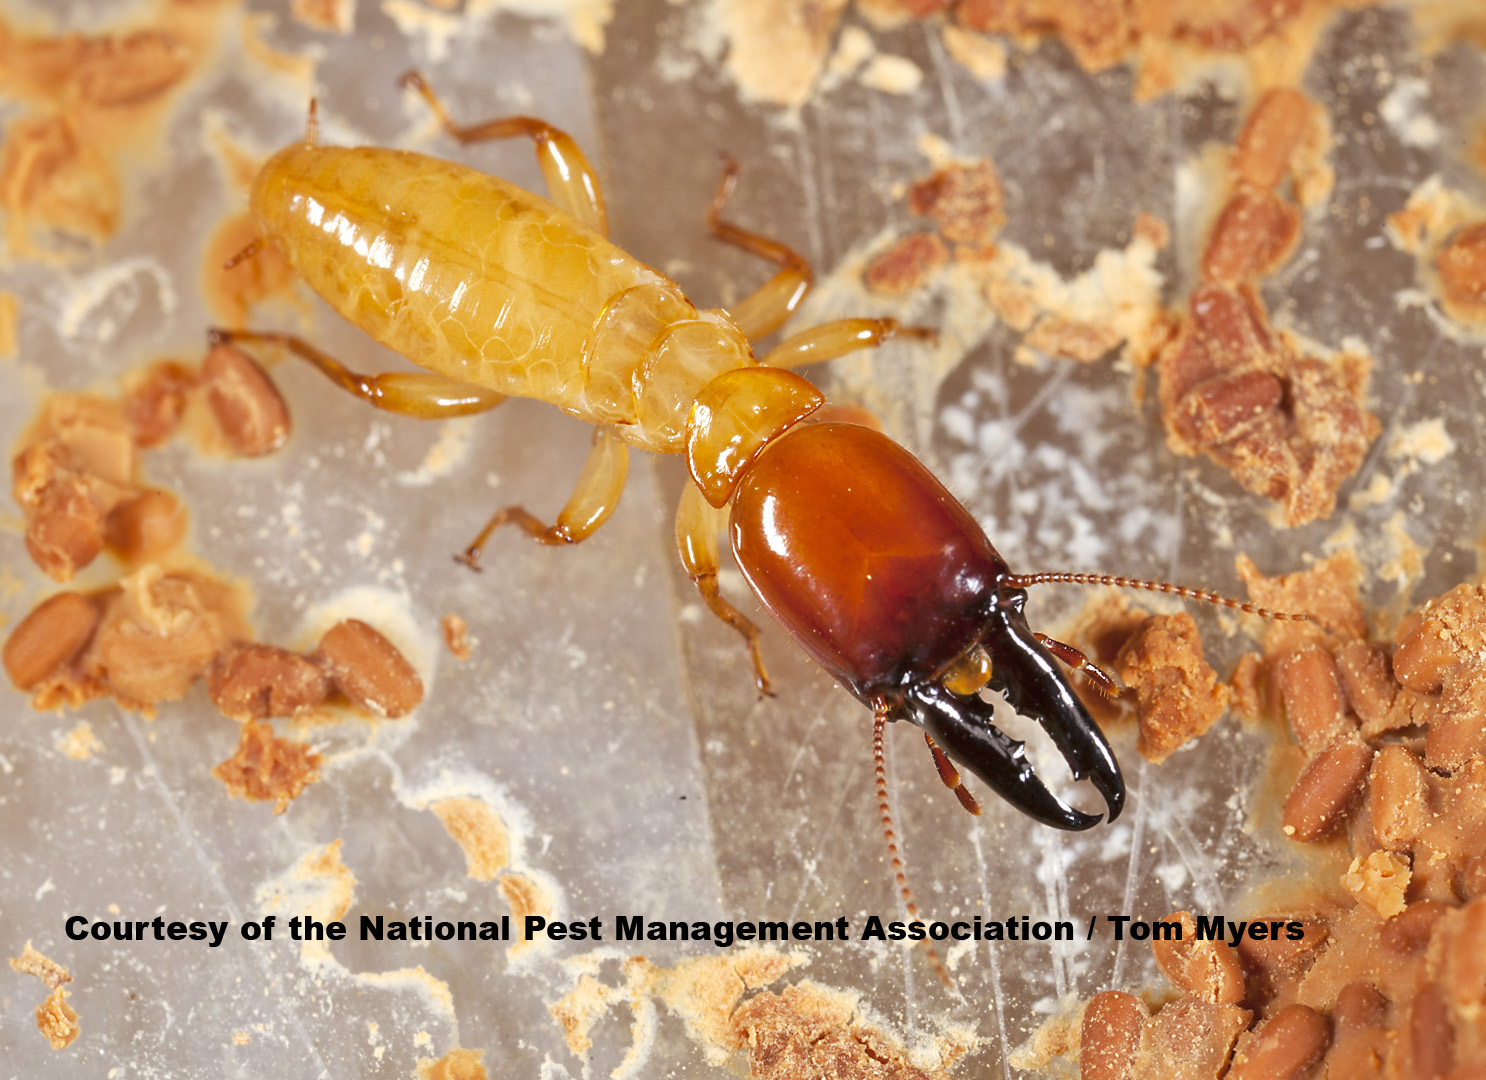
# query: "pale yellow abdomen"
(461, 272)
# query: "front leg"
(839, 337)
(697, 526)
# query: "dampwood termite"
(856, 549)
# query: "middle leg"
(769, 306)
(593, 502)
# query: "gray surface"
(627, 741)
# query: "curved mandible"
(1034, 685)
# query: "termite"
(857, 550)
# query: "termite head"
(889, 583)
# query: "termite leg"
(593, 502)
(830, 340)
(697, 526)
(767, 308)
(951, 776)
(1098, 678)
(571, 181)
(420, 394)
(890, 835)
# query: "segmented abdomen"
(461, 272)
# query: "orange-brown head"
(887, 581)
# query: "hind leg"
(572, 182)
(421, 394)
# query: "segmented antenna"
(890, 834)
(1023, 581)
(253, 248)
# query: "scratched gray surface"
(614, 723)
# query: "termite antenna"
(312, 124)
(724, 193)
(890, 834)
(245, 254)
(1023, 581)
